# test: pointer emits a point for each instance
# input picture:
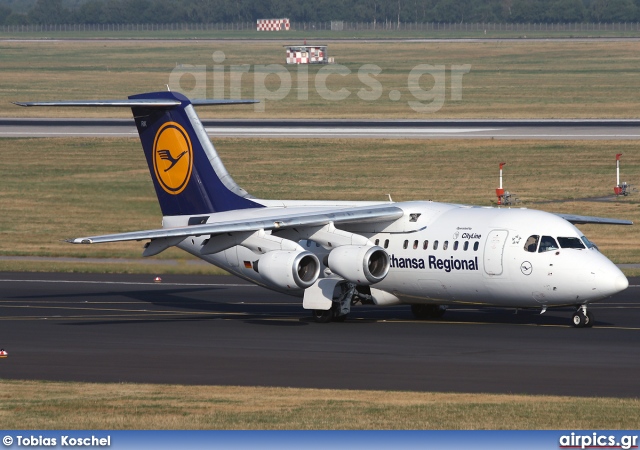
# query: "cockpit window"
(531, 244)
(588, 243)
(547, 243)
(570, 242)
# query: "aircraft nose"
(612, 282)
(607, 278)
(620, 283)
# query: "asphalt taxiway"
(551, 129)
(218, 330)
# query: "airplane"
(336, 254)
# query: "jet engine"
(289, 269)
(362, 265)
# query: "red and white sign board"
(273, 25)
(306, 55)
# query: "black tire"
(428, 312)
(420, 312)
(341, 318)
(321, 316)
(439, 311)
(578, 320)
(589, 321)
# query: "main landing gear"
(426, 312)
(330, 315)
(348, 296)
(582, 318)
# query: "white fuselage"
(445, 254)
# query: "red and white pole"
(618, 168)
(500, 191)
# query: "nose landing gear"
(582, 318)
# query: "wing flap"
(368, 214)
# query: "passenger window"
(406, 244)
(570, 242)
(476, 244)
(425, 245)
(531, 244)
(547, 244)
(455, 245)
(435, 245)
(317, 244)
(465, 247)
(445, 245)
(415, 245)
(386, 243)
(377, 241)
(308, 243)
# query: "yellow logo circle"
(172, 157)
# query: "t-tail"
(187, 173)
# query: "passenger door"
(493, 252)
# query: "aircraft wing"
(591, 219)
(281, 219)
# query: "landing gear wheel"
(333, 314)
(589, 321)
(321, 316)
(439, 311)
(420, 312)
(580, 320)
(341, 318)
(426, 312)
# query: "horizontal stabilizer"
(146, 102)
(574, 219)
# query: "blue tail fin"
(187, 173)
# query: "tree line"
(45, 12)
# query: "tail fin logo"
(172, 158)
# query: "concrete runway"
(617, 129)
(217, 330)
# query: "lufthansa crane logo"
(172, 158)
(526, 268)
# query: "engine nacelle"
(359, 264)
(289, 270)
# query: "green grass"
(490, 31)
(524, 79)
(55, 189)
(55, 405)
